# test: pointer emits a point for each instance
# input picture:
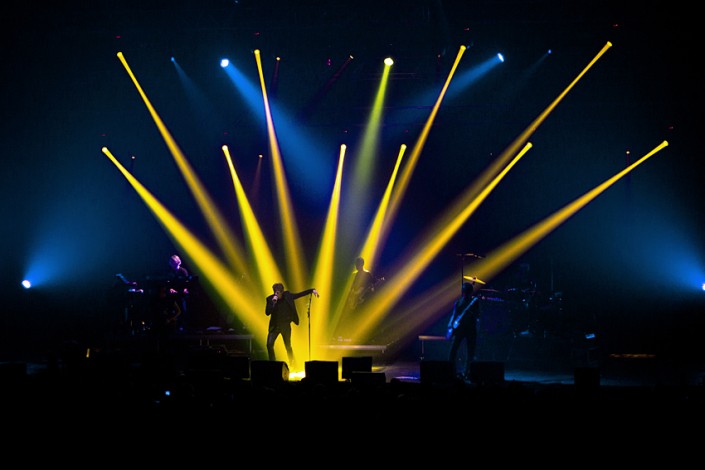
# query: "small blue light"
(224, 63)
(26, 284)
(500, 57)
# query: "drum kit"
(508, 314)
(513, 310)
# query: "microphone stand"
(308, 314)
(462, 270)
(462, 257)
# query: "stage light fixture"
(500, 57)
(224, 62)
(388, 61)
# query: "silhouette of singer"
(281, 309)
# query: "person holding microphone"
(281, 309)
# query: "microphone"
(274, 299)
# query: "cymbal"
(474, 279)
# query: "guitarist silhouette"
(364, 284)
(362, 288)
(462, 325)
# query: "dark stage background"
(629, 265)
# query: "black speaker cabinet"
(237, 367)
(365, 378)
(321, 371)
(586, 377)
(486, 372)
(214, 358)
(269, 372)
(356, 364)
(436, 371)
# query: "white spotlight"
(224, 62)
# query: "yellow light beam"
(264, 263)
(372, 242)
(440, 297)
(215, 220)
(480, 185)
(296, 265)
(369, 249)
(395, 288)
(501, 257)
(323, 273)
(238, 298)
(506, 155)
(364, 161)
(410, 165)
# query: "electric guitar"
(359, 296)
(455, 323)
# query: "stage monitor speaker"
(216, 358)
(356, 364)
(436, 371)
(586, 378)
(205, 358)
(237, 367)
(269, 372)
(364, 378)
(486, 372)
(321, 371)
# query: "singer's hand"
(274, 299)
(315, 292)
